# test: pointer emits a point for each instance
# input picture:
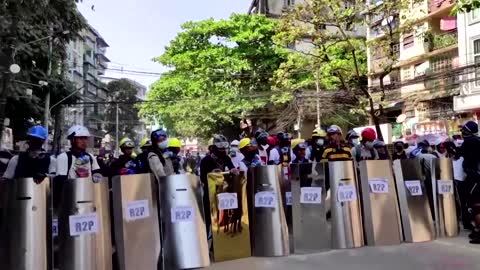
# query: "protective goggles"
(221, 144)
(129, 144)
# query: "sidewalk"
(444, 254)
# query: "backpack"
(70, 161)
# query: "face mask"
(234, 149)
(163, 145)
(320, 142)
(399, 148)
(232, 153)
(458, 143)
(355, 141)
(369, 145)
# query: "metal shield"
(414, 210)
(183, 224)
(311, 233)
(381, 215)
(347, 227)
(27, 231)
(446, 222)
(268, 224)
(104, 236)
(137, 231)
(229, 215)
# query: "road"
(444, 254)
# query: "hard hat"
(220, 141)
(369, 134)
(272, 141)
(318, 132)
(210, 142)
(235, 143)
(334, 129)
(157, 134)
(126, 143)
(299, 143)
(244, 143)
(174, 142)
(145, 143)
(260, 133)
(470, 127)
(38, 132)
(77, 131)
(378, 143)
(351, 135)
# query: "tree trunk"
(57, 135)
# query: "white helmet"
(235, 143)
(77, 131)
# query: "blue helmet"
(38, 132)
(157, 134)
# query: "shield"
(446, 222)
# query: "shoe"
(475, 241)
(474, 234)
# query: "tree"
(219, 70)
(123, 91)
(21, 23)
(336, 57)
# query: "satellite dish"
(401, 118)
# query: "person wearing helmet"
(251, 159)
(337, 149)
(299, 148)
(217, 160)
(399, 150)
(142, 159)
(156, 161)
(34, 163)
(264, 149)
(318, 144)
(352, 138)
(282, 154)
(235, 153)
(125, 164)
(381, 148)
(366, 150)
(172, 155)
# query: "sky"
(139, 30)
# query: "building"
(141, 89)
(469, 54)
(87, 61)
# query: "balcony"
(440, 8)
(440, 41)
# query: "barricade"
(413, 201)
(381, 215)
(347, 227)
(84, 226)
(183, 225)
(267, 220)
(446, 222)
(311, 232)
(229, 215)
(26, 234)
(136, 223)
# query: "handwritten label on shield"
(265, 199)
(83, 224)
(227, 201)
(182, 214)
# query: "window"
(476, 55)
(290, 3)
(406, 73)
(441, 64)
(408, 41)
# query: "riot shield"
(413, 201)
(381, 215)
(347, 227)
(446, 222)
(311, 233)
(27, 231)
(84, 226)
(268, 224)
(229, 215)
(137, 231)
(183, 224)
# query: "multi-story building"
(469, 56)
(87, 62)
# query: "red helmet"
(369, 134)
(272, 141)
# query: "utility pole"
(117, 150)
(317, 84)
(47, 97)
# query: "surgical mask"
(320, 142)
(234, 149)
(163, 145)
(369, 145)
(458, 143)
(355, 141)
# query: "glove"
(96, 177)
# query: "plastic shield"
(27, 235)
(311, 233)
(381, 214)
(137, 231)
(229, 215)
(347, 227)
(413, 201)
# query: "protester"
(299, 148)
(264, 149)
(249, 151)
(441, 150)
(399, 150)
(381, 149)
(156, 161)
(318, 144)
(235, 153)
(365, 150)
(337, 149)
(125, 163)
(172, 155)
(352, 138)
(142, 159)
(282, 154)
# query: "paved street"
(444, 254)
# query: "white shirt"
(62, 167)
(237, 160)
(275, 156)
(12, 166)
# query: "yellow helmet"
(174, 142)
(297, 142)
(126, 143)
(244, 142)
(210, 142)
(145, 142)
(318, 132)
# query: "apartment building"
(87, 61)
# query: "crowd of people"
(161, 156)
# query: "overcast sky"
(138, 30)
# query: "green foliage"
(465, 6)
(219, 70)
(123, 91)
